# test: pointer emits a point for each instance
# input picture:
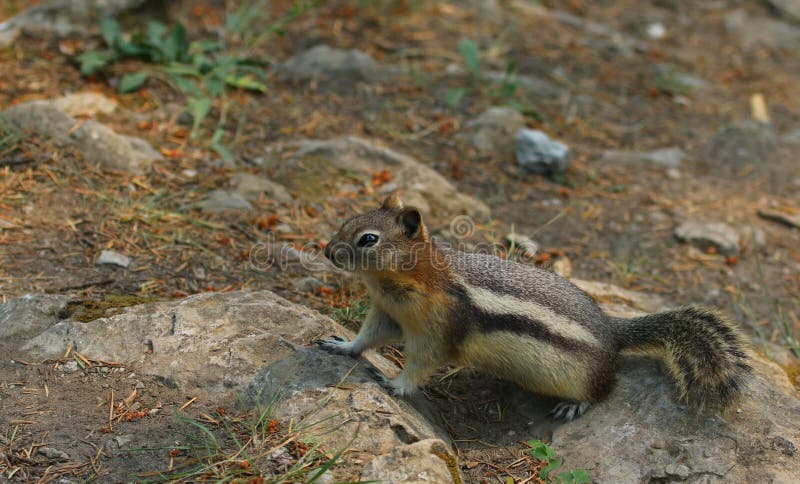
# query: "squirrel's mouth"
(341, 255)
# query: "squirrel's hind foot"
(567, 411)
(397, 387)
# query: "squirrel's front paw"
(336, 345)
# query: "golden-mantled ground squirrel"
(519, 322)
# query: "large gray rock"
(30, 314)
(320, 163)
(221, 345)
(538, 153)
(364, 415)
(209, 342)
(324, 62)
(494, 129)
(97, 142)
(750, 31)
(660, 439)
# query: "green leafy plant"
(543, 452)
(503, 88)
(201, 69)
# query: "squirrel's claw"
(336, 345)
(384, 382)
(567, 411)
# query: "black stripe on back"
(469, 316)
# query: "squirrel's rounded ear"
(411, 220)
(392, 201)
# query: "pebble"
(52, 453)
(537, 153)
(656, 30)
(705, 234)
(70, 366)
(113, 258)
(222, 201)
(123, 440)
(494, 129)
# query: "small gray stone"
(494, 129)
(252, 187)
(113, 258)
(70, 366)
(705, 234)
(123, 440)
(679, 471)
(667, 157)
(537, 153)
(326, 62)
(53, 453)
(223, 201)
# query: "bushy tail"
(703, 349)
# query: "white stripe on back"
(505, 304)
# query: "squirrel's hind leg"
(568, 411)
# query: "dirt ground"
(613, 222)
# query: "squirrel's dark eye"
(367, 240)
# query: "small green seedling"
(546, 454)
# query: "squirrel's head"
(389, 238)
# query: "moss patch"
(110, 305)
(452, 465)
